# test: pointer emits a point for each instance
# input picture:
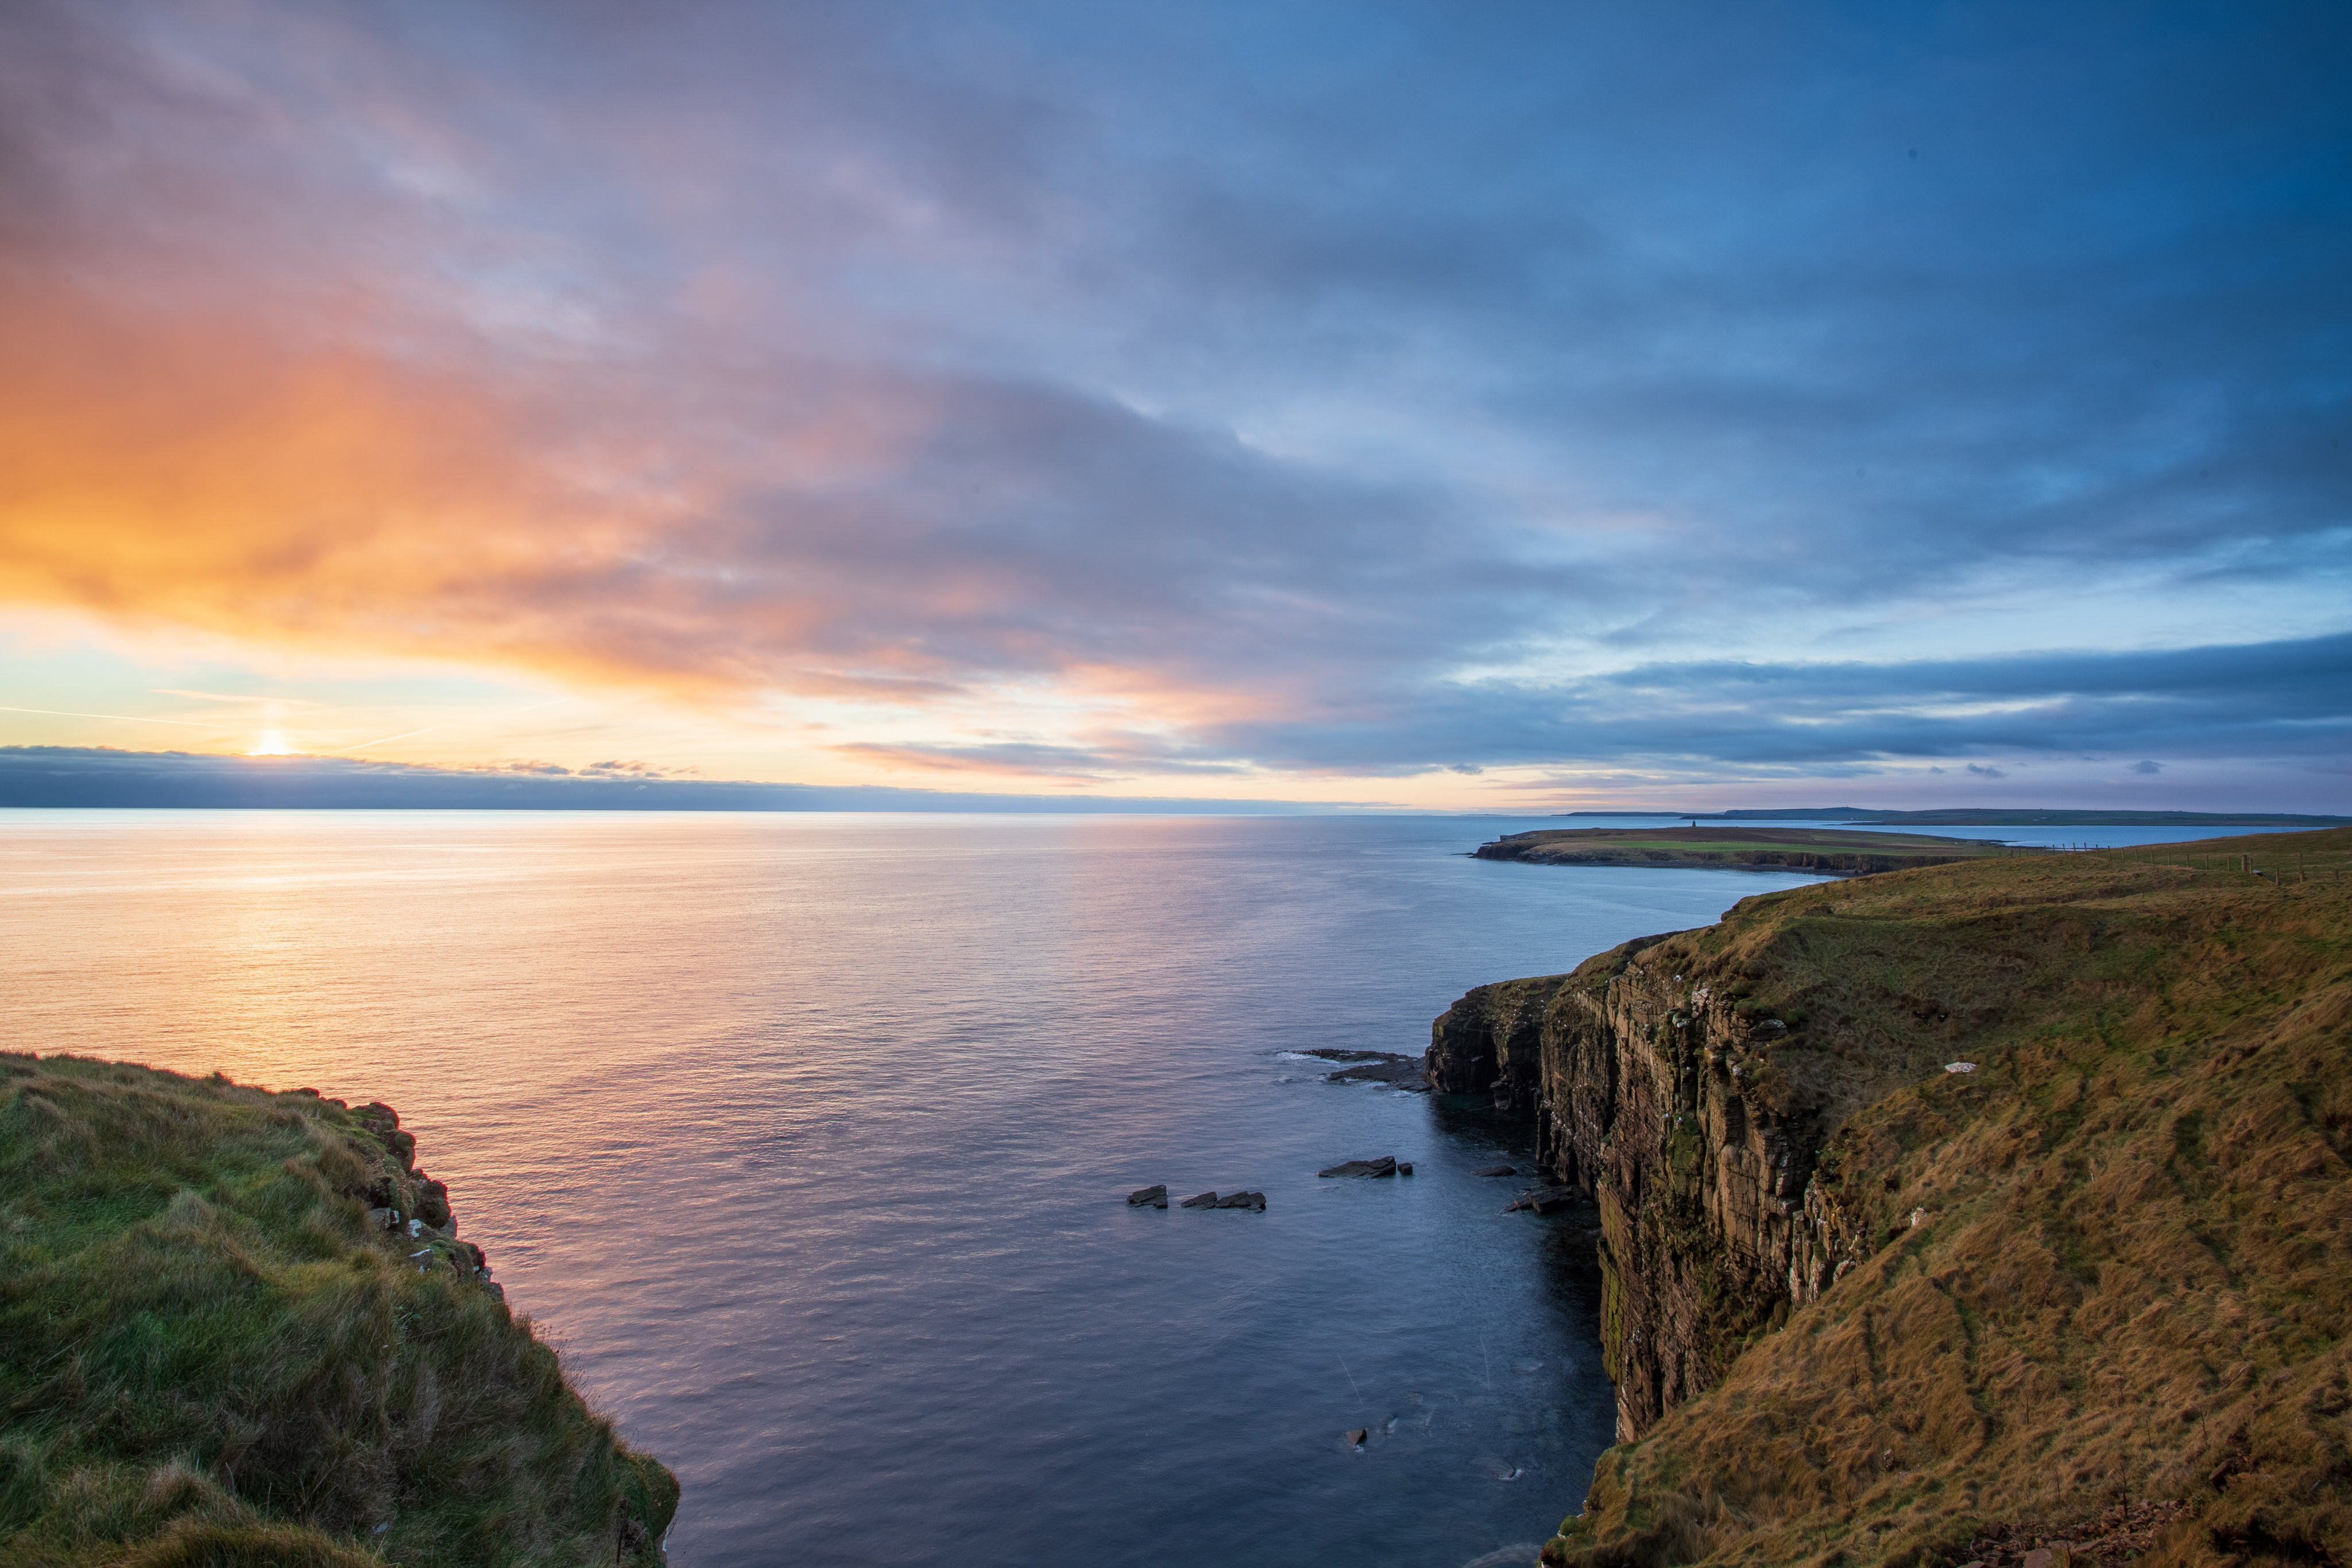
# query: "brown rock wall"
(1654, 1095)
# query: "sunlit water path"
(806, 1138)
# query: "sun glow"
(272, 744)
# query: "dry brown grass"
(2130, 1274)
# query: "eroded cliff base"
(1863, 1309)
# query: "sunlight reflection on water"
(805, 1138)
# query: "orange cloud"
(216, 474)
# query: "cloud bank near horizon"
(83, 777)
(1339, 392)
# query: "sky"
(1518, 407)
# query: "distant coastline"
(1967, 817)
(1827, 852)
(101, 778)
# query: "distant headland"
(1828, 851)
(1987, 817)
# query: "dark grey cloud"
(2286, 701)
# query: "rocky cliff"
(1681, 1110)
(1861, 1307)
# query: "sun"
(273, 744)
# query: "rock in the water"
(1403, 1071)
(1204, 1200)
(1546, 1200)
(1404, 1167)
(1356, 1435)
(1152, 1197)
(1385, 1165)
(1252, 1201)
(1495, 1171)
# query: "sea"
(806, 1138)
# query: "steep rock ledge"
(1657, 1094)
(1860, 1309)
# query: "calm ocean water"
(805, 1138)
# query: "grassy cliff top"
(213, 1353)
(2111, 1267)
(1740, 846)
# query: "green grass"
(210, 1354)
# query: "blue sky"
(1519, 406)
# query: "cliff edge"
(1949, 1209)
(237, 1329)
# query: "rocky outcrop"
(402, 1197)
(1661, 1098)
(1382, 1166)
(1862, 1305)
(1491, 1041)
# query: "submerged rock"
(1547, 1199)
(1398, 1071)
(1495, 1171)
(1150, 1197)
(1385, 1165)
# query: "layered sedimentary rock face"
(1652, 1093)
(1963, 1205)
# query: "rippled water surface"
(806, 1136)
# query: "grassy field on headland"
(220, 1349)
(1832, 852)
(2099, 1290)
